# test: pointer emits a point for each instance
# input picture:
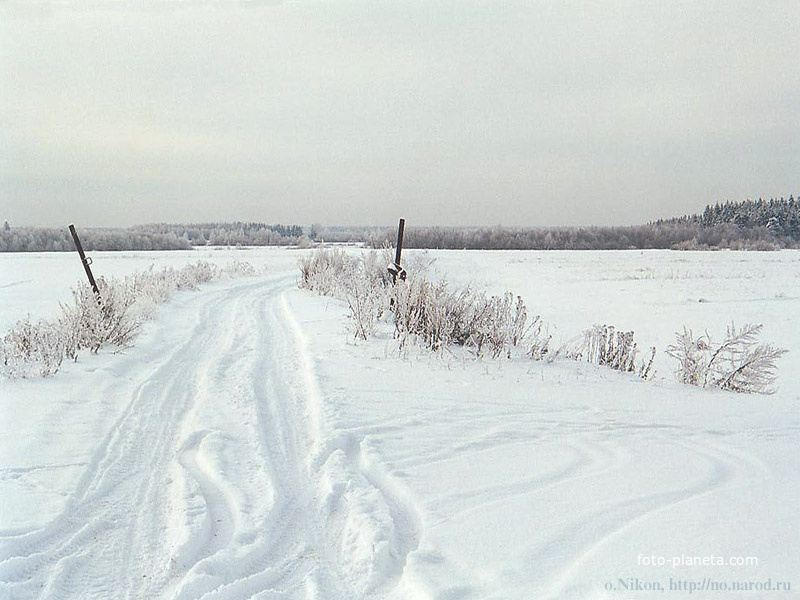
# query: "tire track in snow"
(373, 525)
(562, 555)
(217, 530)
(582, 465)
(91, 511)
(203, 487)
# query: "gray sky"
(357, 112)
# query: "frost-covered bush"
(606, 346)
(504, 323)
(329, 271)
(431, 313)
(367, 303)
(324, 270)
(194, 274)
(32, 349)
(425, 311)
(238, 268)
(91, 322)
(362, 281)
(151, 285)
(739, 363)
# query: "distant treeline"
(676, 236)
(229, 234)
(149, 237)
(780, 217)
(751, 225)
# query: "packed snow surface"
(246, 447)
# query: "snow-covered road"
(206, 485)
(246, 448)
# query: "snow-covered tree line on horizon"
(749, 225)
(781, 217)
(237, 233)
(149, 237)
(663, 236)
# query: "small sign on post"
(85, 260)
(395, 269)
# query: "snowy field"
(247, 448)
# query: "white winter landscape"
(247, 446)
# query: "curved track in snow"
(207, 484)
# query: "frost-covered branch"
(739, 363)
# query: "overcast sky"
(357, 112)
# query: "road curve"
(213, 482)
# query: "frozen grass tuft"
(609, 347)
(89, 323)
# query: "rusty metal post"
(86, 261)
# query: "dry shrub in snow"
(365, 287)
(740, 363)
(433, 315)
(32, 349)
(37, 349)
(324, 270)
(425, 312)
(538, 340)
(237, 268)
(366, 300)
(362, 281)
(90, 324)
(606, 346)
(429, 313)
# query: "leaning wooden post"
(86, 261)
(395, 269)
(400, 231)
